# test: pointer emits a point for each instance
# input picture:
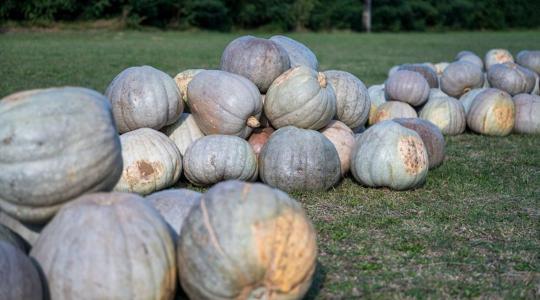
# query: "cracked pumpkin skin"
(246, 241)
(492, 113)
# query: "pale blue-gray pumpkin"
(407, 86)
(299, 54)
(468, 98)
(246, 241)
(497, 56)
(56, 144)
(393, 109)
(425, 70)
(446, 112)
(527, 114)
(20, 279)
(431, 136)
(529, 59)
(470, 57)
(377, 98)
(183, 132)
(460, 77)
(511, 78)
(492, 113)
(390, 155)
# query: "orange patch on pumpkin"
(413, 154)
(504, 116)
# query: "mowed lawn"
(472, 230)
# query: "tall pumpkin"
(529, 59)
(19, 277)
(246, 241)
(407, 86)
(446, 113)
(299, 54)
(56, 144)
(527, 113)
(144, 97)
(183, 132)
(342, 137)
(511, 78)
(393, 109)
(492, 113)
(497, 56)
(460, 77)
(431, 136)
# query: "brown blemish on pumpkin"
(411, 150)
(504, 115)
(381, 115)
(7, 140)
(145, 169)
(501, 57)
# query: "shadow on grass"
(317, 283)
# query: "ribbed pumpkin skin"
(446, 113)
(393, 109)
(183, 132)
(527, 113)
(377, 98)
(56, 144)
(511, 78)
(114, 246)
(492, 113)
(246, 241)
(407, 86)
(182, 80)
(296, 159)
(431, 136)
(223, 103)
(151, 162)
(389, 155)
(259, 60)
(470, 57)
(174, 206)
(497, 56)
(19, 277)
(216, 158)
(352, 98)
(299, 54)
(468, 98)
(343, 139)
(144, 97)
(259, 137)
(460, 77)
(529, 59)
(427, 72)
(300, 97)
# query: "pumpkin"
(377, 97)
(511, 78)
(343, 139)
(215, 158)
(144, 97)
(20, 278)
(114, 246)
(56, 144)
(259, 137)
(182, 80)
(446, 113)
(224, 103)
(468, 98)
(295, 159)
(527, 113)
(10, 237)
(440, 67)
(492, 113)
(460, 77)
(299, 54)
(389, 155)
(425, 70)
(431, 136)
(300, 97)
(151, 162)
(393, 109)
(183, 132)
(174, 206)
(246, 241)
(259, 60)
(470, 57)
(407, 86)
(497, 56)
(352, 99)
(529, 59)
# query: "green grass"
(473, 230)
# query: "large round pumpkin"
(182, 80)
(151, 162)
(492, 113)
(259, 60)
(529, 59)
(216, 158)
(343, 139)
(446, 113)
(527, 113)
(377, 97)
(295, 159)
(144, 97)
(55, 144)
(460, 77)
(393, 109)
(224, 103)
(246, 241)
(184, 132)
(352, 98)
(511, 78)
(299, 54)
(107, 246)
(259, 137)
(407, 86)
(389, 155)
(470, 57)
(431, 136)
(300, 97)
(497, 56)
(425, 70)
(19, 277)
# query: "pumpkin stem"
(322, 79)
(466, 90)
(19, 228)
(253, 122)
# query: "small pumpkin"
(183, 132)
(470, 57)
(446, 113)
(377, 97)
(529, 59)
(389, 155)
(300, 97)
(224, 103)
(295, 159)
(259, 137)
(182, 80)
(216, 158)
(56, 144)
(460, 77)
(20, 278)
(393, 109)
(151, 162)
(352, 98)
(468, 98)
(259, 60)
(492, 113)
(511, 78)
(343, 139)
(527, 113)
(497, 56)
(431, 136)
(114, 246)
(299, 54)
(407, 86)
(144, 97)
(426, 71)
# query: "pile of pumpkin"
(267, 113)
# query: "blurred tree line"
(284, 15)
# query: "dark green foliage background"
(388, 15)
